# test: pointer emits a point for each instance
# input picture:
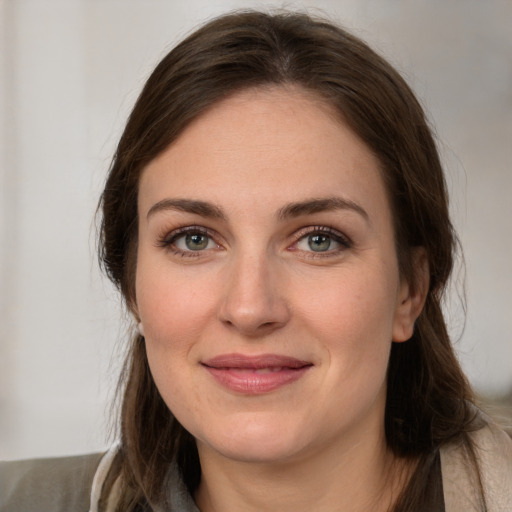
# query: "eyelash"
(168, 240)
(335, 235)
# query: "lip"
(255, 374)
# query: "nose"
(253, 301)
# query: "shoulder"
(47, 485)
(491, 448)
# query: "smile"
(255, 374)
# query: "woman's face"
(267, 280)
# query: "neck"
(364, 477)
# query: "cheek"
(172, 306)
(174, 319)
(351, 306)
(353, 320)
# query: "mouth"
(255, 374)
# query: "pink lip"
(255, 374)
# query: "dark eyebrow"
(311, 206)
(188, 205)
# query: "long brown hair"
(428, 396)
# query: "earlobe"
(411, 297)
(134, 310)
(138, 321)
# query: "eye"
(321, 240)
(188, 241)
(193, 241)
(317, 243)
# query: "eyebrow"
(311, 206)
(291, 210)
(189, 206)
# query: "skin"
(254, 285)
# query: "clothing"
(66, 484)
(48, 485)
(493, 451)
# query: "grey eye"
(319, 243)
(193, 241)
(196, 241)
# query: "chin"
(254, 442)
(256, 452)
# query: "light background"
(70, 71)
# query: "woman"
(276, 220)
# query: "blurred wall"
(70, 71)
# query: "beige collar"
(461, 486)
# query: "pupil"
(319, 243)
(196, 242)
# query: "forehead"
(278, 143)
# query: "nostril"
(252, 306)
(251, 328)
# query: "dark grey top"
(48, 485)
(64, 485)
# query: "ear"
(132, 307)
(411, 297)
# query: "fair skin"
(268, 289)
